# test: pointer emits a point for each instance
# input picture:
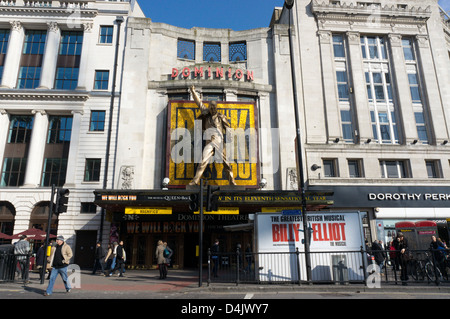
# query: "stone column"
(88, 42)
(330, 86)
(359, 88)
(73, 150)
(13, 55)
(431, 90)
(37, 148)
(402, 87)
(50, 56)
(4, 128)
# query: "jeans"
(54, 274)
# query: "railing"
(344, 267)
(11, 264)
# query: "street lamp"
(289, 4)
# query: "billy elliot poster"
(335, 241)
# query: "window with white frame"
(382, 103)
(415, 89)
(330, 167)
(343, 87)
(394, 169)
(433, 168)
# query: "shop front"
(142, 218)
(389, 206)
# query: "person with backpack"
(167, 254)
(120, 260)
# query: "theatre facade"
(160, 137)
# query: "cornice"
(43, 96)
(386, 14)
(48, 12)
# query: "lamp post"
(289, 4)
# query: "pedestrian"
(40, 259)
(161, 260)
(438, 249)
(239, 256)
(168, 255)
(378, 253)
(99, 255)
(108, 260)
(121, 258)
(59, 261)
(248, 258)
(401, 245)
(215, 257)
(22, 252)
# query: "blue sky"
(233, 14)
(445, 4)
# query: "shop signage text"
(408, 196)
(211, 73)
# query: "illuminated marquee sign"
(185, 142)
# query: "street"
(184, 285)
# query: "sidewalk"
(146, 284)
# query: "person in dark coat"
(215, 257)
(120, 260)
(401, 245)
(378, 253)
(99, 255)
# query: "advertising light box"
(335, 241)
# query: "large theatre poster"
(186, 140)
(336, 240)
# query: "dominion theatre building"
(160, 136)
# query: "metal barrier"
(10, 264)
(343, 267)
(286, 267)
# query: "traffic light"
(62, 199)
(211, 199)
(194, 203)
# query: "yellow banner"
(222, 211)
(148, 211)
(244, 158)
(277, 209)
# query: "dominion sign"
(186, 139)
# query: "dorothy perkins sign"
(410, 196)
(389, 196)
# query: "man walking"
(99, 255)
(59, 259)
(22, 252)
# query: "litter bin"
(340, 270)
(7, 263)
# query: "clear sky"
(445, 4)
(231, 14)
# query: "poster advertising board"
(336, 240)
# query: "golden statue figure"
(217, 123)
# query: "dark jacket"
(377, 252)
